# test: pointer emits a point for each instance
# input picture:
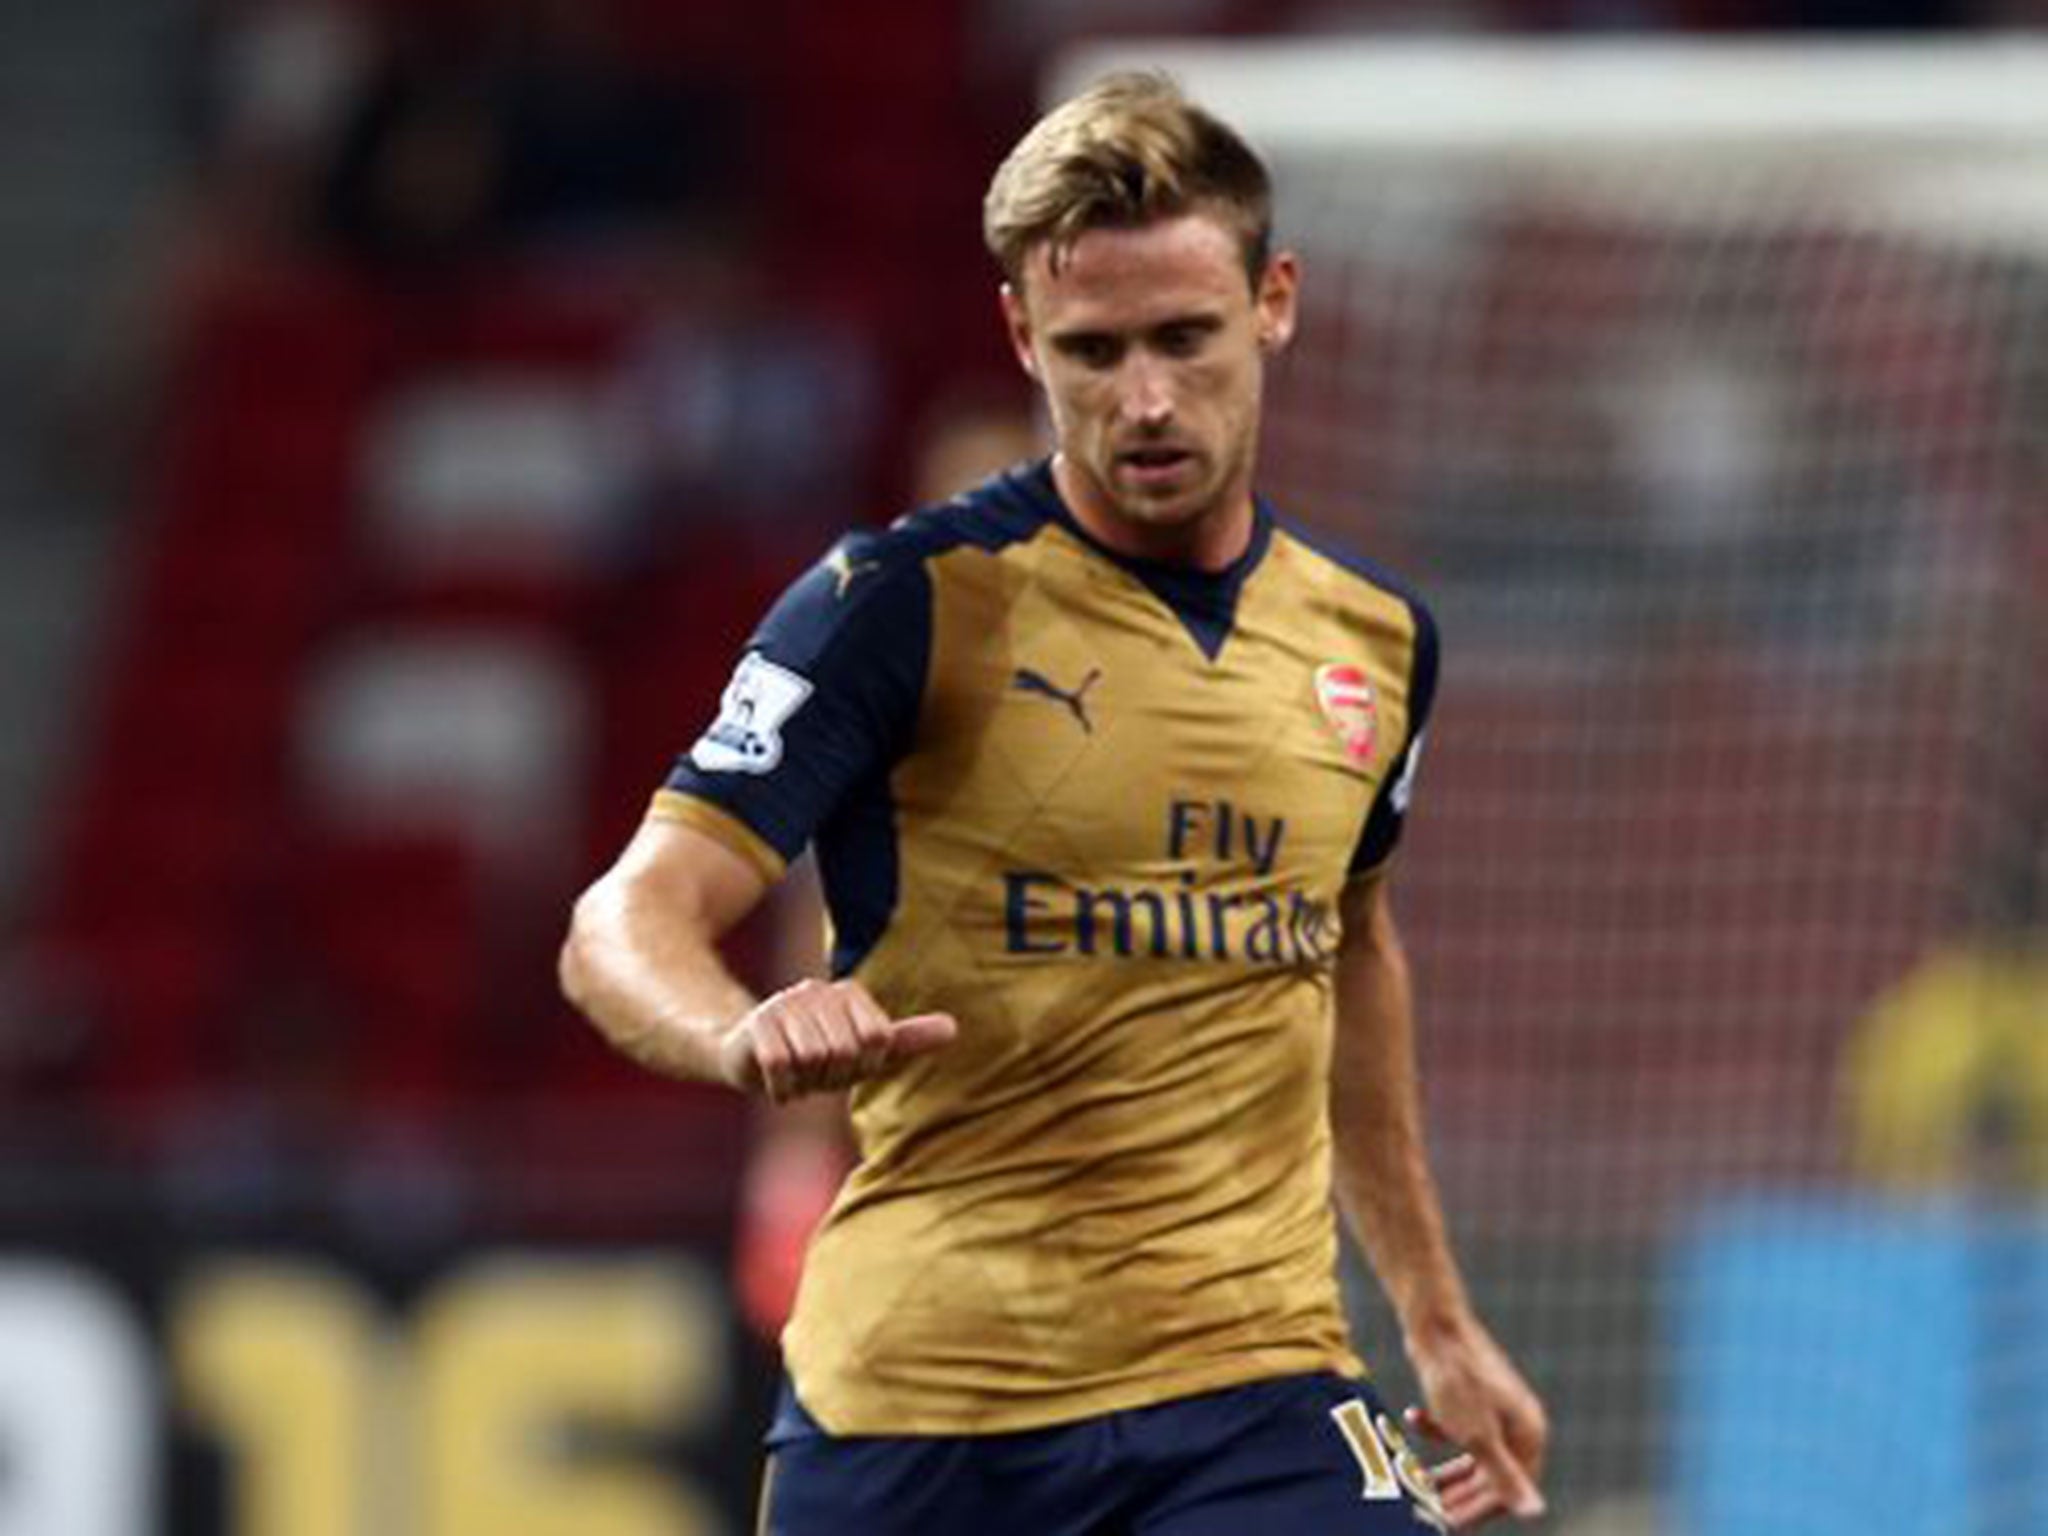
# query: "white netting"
(1706, 396)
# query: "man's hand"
(1478, 1401)
(821, 1036)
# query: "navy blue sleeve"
(826, 694)
(1390, 806)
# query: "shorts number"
(1387, 1464)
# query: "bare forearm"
(641, 963)
(1472, 1392)
(653, 985)
(1384, 1184)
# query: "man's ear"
(1277, 301)
(1017, 326)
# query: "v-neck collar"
(1205, 602)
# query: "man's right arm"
(641, 962)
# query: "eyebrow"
(1194, 320)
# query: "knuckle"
(859, 999)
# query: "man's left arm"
(1472, 1393)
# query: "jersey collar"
(1205, 602)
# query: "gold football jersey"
(1100, 811)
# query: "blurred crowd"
(490, 369)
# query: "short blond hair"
(1128, 151)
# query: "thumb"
(921, 1034)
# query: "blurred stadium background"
(410, 403)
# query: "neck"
(1210, 540)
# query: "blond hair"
(1128, 151)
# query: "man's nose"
(1147, 392)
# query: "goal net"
(1704, 391)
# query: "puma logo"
(1028, 681)
(844, 569)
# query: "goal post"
(1347, 93)
(1703, 389)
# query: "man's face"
(1149, 344)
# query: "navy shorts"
(1316, 1453)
